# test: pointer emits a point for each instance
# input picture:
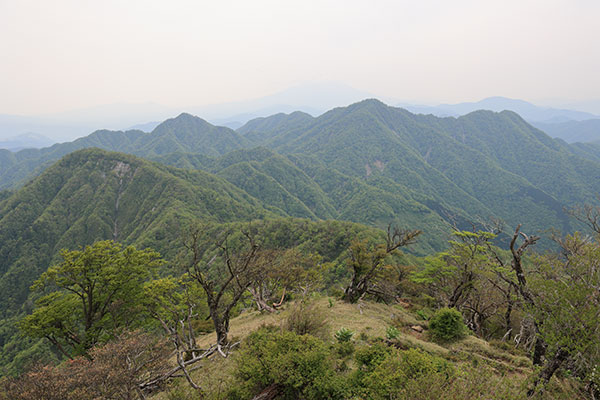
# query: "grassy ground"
(369, 321)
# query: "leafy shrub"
(305, 319)
(392, 333)
(344, 349)
(423, 314)
(368, 358)
(468, 383)
(297, 366)
(447, 325)
(344, 335)
(392, 376)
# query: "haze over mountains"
(315, 99)
(367, 163)
(528, 111)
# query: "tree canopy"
(90, 295)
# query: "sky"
(61, 55)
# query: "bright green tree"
(452, 274)
(92, 295)
(566, 308)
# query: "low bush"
(391, 378)
(344, 349)
(344, 335)
(392, 333)
(289, 365)
(447, 325)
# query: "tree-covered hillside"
(370, 163)
(483, 164)
(184, 133)
(289, 209)
(93, 195)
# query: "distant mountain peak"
(184, 116)
(183, 119)
(370, 102)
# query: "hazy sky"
(60, 55)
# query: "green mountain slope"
(187, 133)
(184, 133)
(478, 166)
(263, 129)
(266, 175)
(303, 186)
(483, 164)
(92, 195)
(589, 151)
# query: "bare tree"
(366, 263)
(174, 303)
(588, 214)
(268, 279)
(225, 276)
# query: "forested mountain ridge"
(302, 186)
(389, 161)
(92, 195)
(183, 133)
(366, 163)
(479, 162)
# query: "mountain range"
(366, 164)
(314, 98)
(529, 111)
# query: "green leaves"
(298, 365)
(447, 325)
(95, 293)
(567, 301)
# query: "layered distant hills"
(528, 111)
(367, 163)
(569, 125)
(573, 131)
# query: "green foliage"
(423, 314)
(168, 300)
(298, 365)
(94, 293)
(447, 325)
(567, 303)
(343, 335)
(391, 377)
(344, 348)
(467, 255)
(368, 358)
(392, 333)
